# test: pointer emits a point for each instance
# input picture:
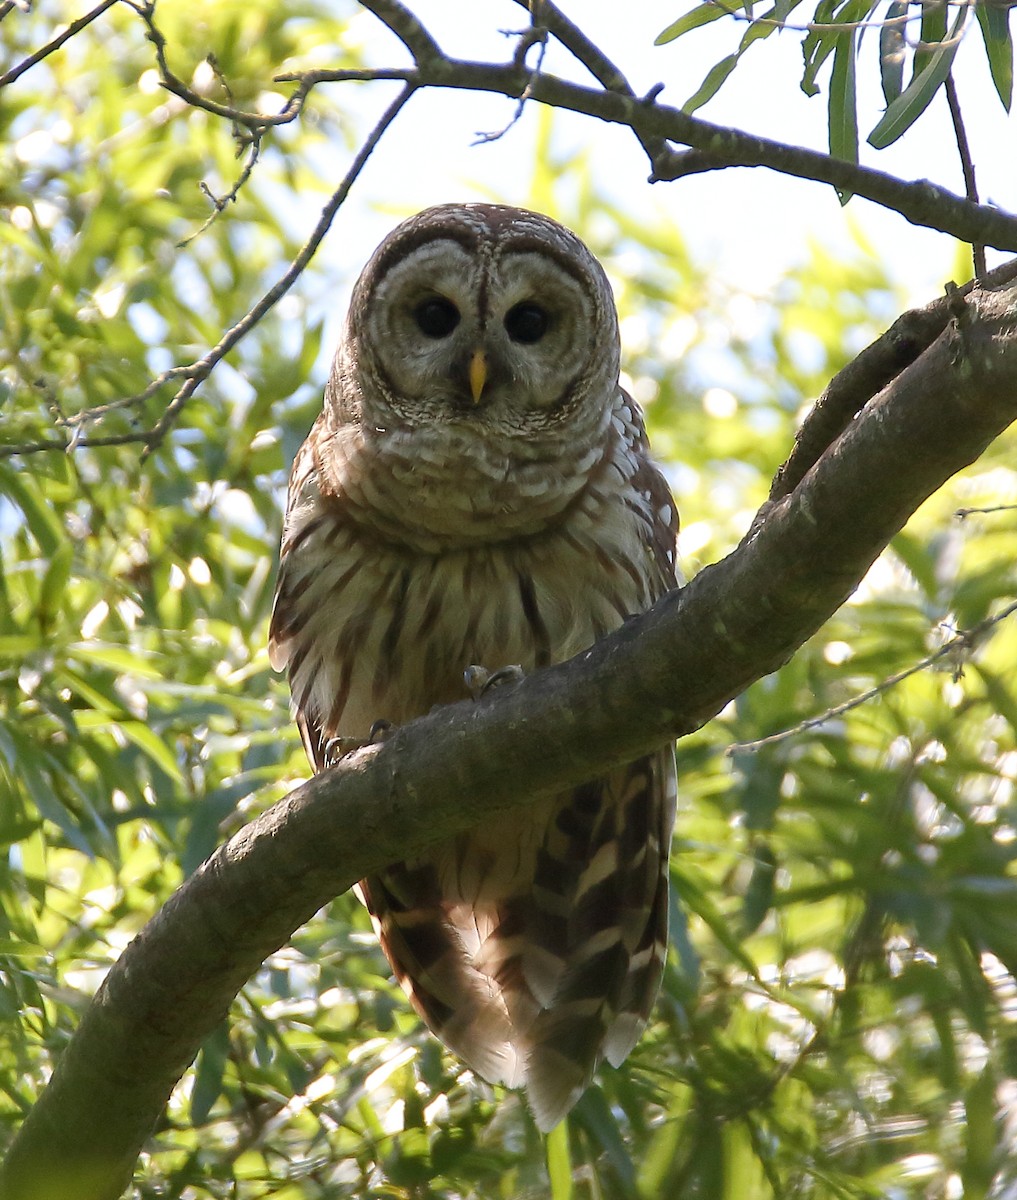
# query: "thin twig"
(173, 83)
(198, 371)
(590, 55)
(219, 203)
(967, 166)
(293, 272)
(101, 410)
(965, 641)
(864, 377)
(536, 35)
(961, 513)
(45, 51)
(116, 439)
(832, 26)
(920, 202)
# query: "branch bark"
(662, 675)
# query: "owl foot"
(479, 680)
(338, 747)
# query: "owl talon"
(479, 680)
(338, 747)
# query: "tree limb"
(661, 675)
(714, 146)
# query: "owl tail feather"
(534, 955)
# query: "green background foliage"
(838, 1013)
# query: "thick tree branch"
(654, 124)
(920, 202)
(877, 365)
(661, 675)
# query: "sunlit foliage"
(838, 1015)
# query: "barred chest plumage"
(395, 583)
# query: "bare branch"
(962, 643)
(967, 165)
(220, 203)
(75, 27)
(920, 202)
(173, 83)
(198, 371)
(594, 60)
(877, 365)
(961, 513)
(406, 27)
(536, 35)
(290, 276)
(834, 26)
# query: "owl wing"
(305, 516)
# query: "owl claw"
(338, 747)
(479, 680)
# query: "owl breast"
(396, 581)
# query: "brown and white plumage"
(478, 490)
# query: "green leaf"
(153, 745)
(715, 77)
(932, 36)
(209, 1072)
(902, 113)
(23, 490)
(892, 50)
(995, 26)
(559, 1162)
(703, 14)
(53, 591)
(842, 107)
(817, 46)
(980, 1127)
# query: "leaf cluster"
(837, 1014)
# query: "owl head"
(479, 314)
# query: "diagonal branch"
(197, 372)
(75, 27)
(715, 146)
(663, 674)
(867, 374)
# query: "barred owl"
(478, 490)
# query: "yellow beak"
(478, 374)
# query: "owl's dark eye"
(527, 322)
(436, 317)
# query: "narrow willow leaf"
(980, 1131)
(53, 591)
(817, 47)
(209, 1075)
(559, 1162)
(902, 113)
(703, 14)
(933, 35)
(715, 77)
(892, 49)
(842, 108)
(148, 741)
(24, 492)
(995, 26)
